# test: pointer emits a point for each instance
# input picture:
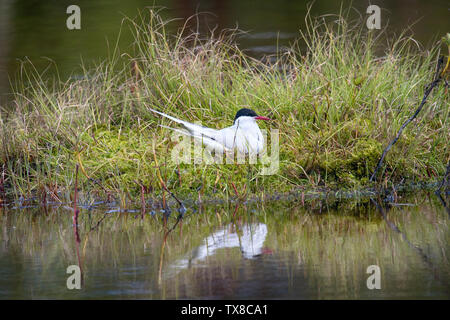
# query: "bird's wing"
(208, 142)
(233, 137)
(195, 129)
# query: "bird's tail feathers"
(167, 116)
(208, 142)
(190, 126)
(185, 132)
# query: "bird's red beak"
(262, 118)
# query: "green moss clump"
(354, 163)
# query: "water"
(319, 250)
(278, 250)
(36, 30)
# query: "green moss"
(354, 163)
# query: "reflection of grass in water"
(334, 251)
(338, 249)
(330, 251)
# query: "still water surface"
(36, 30)
(282, 250)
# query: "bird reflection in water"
(249, 238)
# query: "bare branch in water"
(437, 78)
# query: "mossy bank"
(334, 96)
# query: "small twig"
(75, 223)
(429, 88)
(236, 209)
(165, 208)
(98, 222)
(161, 256)
(2, 186)
(416, 248)
(235, 190)
(163, 185)
(166, 234)
(75, 198)
(445, 180)
(142, 201)
(179, 219)
(444, 204)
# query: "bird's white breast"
(244, 135)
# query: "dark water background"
(278, 250)
(36, 29)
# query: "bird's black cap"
(244, 112)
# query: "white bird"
(244, 135)
(249, 239)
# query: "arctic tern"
(244, 135)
